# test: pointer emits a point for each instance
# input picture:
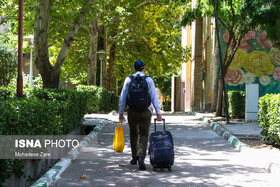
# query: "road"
(202, 158)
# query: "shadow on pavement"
(202, 158)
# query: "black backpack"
(138, 97)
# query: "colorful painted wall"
(256, 61)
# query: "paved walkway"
(202, 158)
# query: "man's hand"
(120, 116)
(159, 117)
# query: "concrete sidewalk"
(266, 156)
(202, 158)
(237, 130)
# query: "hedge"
(61, 110)
(99, 99)
(36, 116)
(236, 104)
(47, 112)
(30, 117)
(269, 117)
(236, 100)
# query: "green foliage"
(167, 106)
(70, 103)
(232, 15)
(243, 15)
(32, 115)
(269, 117)
(99, 99)
(10, 91)
(45, 112)
(63, 15)
(8, 64)
(236, 101)
(267, 17)
(37, 82)
(8, 167)
(190, 15)
(164, 86)
(142, 30)
(150, 33)
(7, 93)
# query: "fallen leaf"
(83, 177)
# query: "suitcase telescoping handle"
(155, 121)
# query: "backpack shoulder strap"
(133, 77)
(145, 77)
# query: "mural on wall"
(256, 61)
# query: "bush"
(10, 166)
(8, 64)
(236, 102)
(167, 106)
(43, 112)
(92, 97)
(269, 117)
(7, 93)
(99, 99)
(37, 81)
(47, 112)
(72, 105)
(30, 117)
(114, 102)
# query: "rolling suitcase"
(161, 149)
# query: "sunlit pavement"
(202, 158)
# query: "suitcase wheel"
(162, 169)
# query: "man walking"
(137, 94)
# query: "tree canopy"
(242, 14)
(146, 30)
(150, 33)
(267, 17)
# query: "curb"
(54, 173)
(220, 130)
(193, 113)
(273, 168)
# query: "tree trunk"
(215, 79)
(92, 57)
(105, 72)
(41, 44)
(111, 66)
(51, 74)
(220, 97)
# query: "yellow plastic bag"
(118, 143)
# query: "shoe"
(141, 163)
(134, 161)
